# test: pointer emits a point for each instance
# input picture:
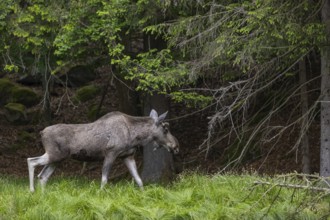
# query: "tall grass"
(192, 196)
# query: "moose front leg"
(108, 161)
(131, 165)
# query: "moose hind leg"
(131, 165)
(44, 175)
(32, 163)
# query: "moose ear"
(162, 117)
(154, 115)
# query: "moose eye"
(165, 126)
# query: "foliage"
(246, 34)
(157, 71)
(250, 47)
(28, 35)
(57, 36)
(193, 196)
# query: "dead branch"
(313, 188)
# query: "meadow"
(191, 196)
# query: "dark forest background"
(246, 83)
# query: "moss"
(18, 107)
(93, 112)
(10, 92)
(25, 137)
(24, 96)
(6, 88)
(15, 112)
(87, 93)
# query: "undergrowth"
(192, 196)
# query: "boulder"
(15, 112)
(29, 79)
(11, 92)
(94, 112)
(86, 93)
(79, 76)
(6, 88)
(24, 96)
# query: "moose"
(113, 135)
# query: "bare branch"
(313, 188)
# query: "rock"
(11, 92)
(93, 112)
(79, 76)
(15, 112)
(28, 80)
(6, 87)
(87, 93)
(24, 96)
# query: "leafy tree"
(48, 38)
(29, 29)
(253, 47)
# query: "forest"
(246, 84)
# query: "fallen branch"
(293, 186)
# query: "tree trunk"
(158, 165)
(46, 85)
(306, 165)
(325, 95)
(127, 98)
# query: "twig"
(293, 186)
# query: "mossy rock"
(12, 93)
(15, 112)
(24, 96)
(79, 76)
(93, 112)
(6, 88)
(87, 93)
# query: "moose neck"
(141, 131)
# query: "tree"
(28, 33)
(325, 95)
(158, 165)
(260, 44)
(306, 164)
(63, 34)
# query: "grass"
(192, 196)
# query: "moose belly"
(82, 155)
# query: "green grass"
(192, 196)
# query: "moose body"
(113, 135)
